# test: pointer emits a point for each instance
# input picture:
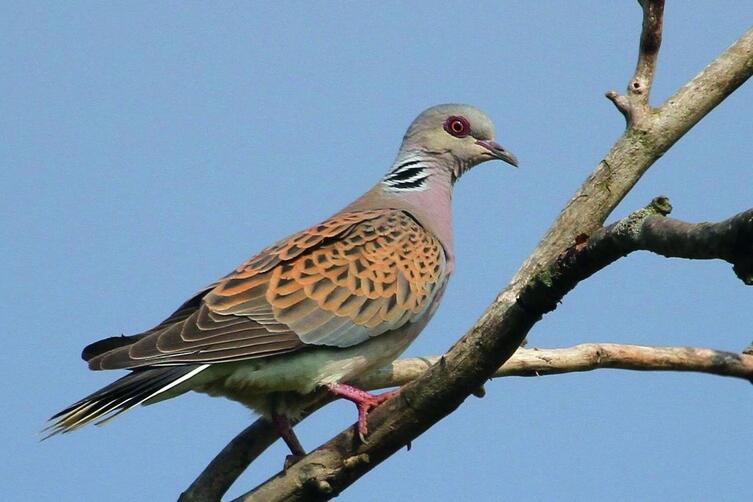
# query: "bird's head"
(461, 135)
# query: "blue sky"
(148, 148)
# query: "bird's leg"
(364, 401)
(282, 424)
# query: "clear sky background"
(148, 148)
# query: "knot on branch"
(743, 255)
(636, 86)
(622, 104)
(634, 105)
(632, 225)
(661, 205)
(356, 460)
(744, 270)
(480, 392)
(320, 486)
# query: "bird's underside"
(317, 308)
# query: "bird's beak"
(496, 151)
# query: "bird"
(315, 310)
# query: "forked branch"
(634, 105)
(647, 229)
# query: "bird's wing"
(355, 276)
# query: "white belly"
(278, 384)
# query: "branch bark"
(634, 105)
(730, 240)
(497, 335)
(585, 357)
(647, 229)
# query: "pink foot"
(364, 401)
(282, 424)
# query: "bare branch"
(707, 89)
(634, 106)
(622, 104)
(649, 229)
(730, 240)
(648, 52)
(584, 357)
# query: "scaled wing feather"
(355, 276)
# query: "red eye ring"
(457, 126)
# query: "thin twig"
(585, 357)
(634, 105)
(648, 51)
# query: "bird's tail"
(121, 395)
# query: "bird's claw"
(364, 401)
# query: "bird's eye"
(457, 126)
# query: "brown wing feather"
(355, 276)
(181, 314)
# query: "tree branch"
(634, 106)
(647, 229)
(585, 357)
(730, 240)
(473, 359)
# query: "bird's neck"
(420, 185)
(411, 172)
